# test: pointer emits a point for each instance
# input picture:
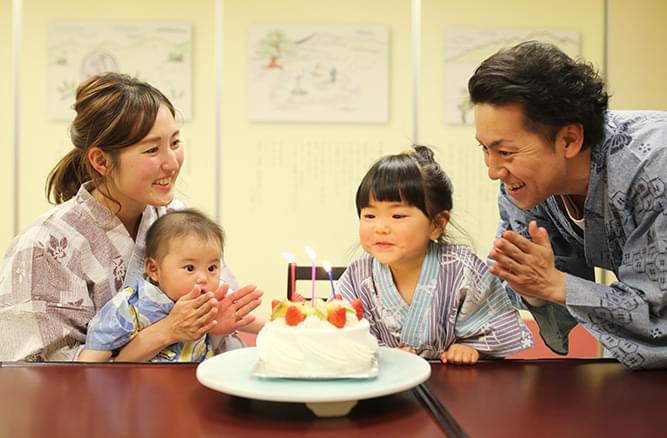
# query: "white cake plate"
(261, 370)
(231, 373)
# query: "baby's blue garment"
(130, 311)
(625, 232)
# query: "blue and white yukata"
(456, 300)
(625, 231)
(130, 311)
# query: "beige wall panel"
(6, 126)
(475, 196)
(44, 142)
(637, 68)
(286, 185)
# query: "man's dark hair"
(553, 89)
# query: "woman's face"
(146, 172)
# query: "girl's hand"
(234, 309)
(459, 354)
(406, 347)
(193, 315)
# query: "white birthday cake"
(327, 339)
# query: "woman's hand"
(193, 315)
(234, 309)
(459, 354)
(528, 266)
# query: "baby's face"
(190, 260)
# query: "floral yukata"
(625, 231)
(456, 301)
(60, 271)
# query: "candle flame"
(289, 257)
(311, 252)
(326, 265)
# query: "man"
(581, 187)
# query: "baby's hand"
(406, 347)
(192, 316)
(459, 354)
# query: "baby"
(183, 261)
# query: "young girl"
(419, 292)
(183, 253)
(115, 182)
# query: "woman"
(110, 188)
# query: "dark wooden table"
(151, 400)
(513, 398)
(553, 398)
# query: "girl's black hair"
(413, 177)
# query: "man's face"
(531, 168)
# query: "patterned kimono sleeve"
(629, 317)
(115, 324)
(486, 320)
(44, 302)
(554, 321)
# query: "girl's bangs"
(396, 180)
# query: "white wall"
(475, 197)
(275, 195)
(271, 199)
(43, 141)
(6, 126)
(637, 41)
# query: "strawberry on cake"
(326, 339)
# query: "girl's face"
(146, 172)
(189, 260)
(396, 234)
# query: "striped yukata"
(130, 311)
(456, 301)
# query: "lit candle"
(327, 267)
(313, 257)
(292, 265)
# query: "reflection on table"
(559, 398)
(152, 400)
(492, 399)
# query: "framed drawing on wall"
(299, 73)
(466, 48)
(155, 52)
